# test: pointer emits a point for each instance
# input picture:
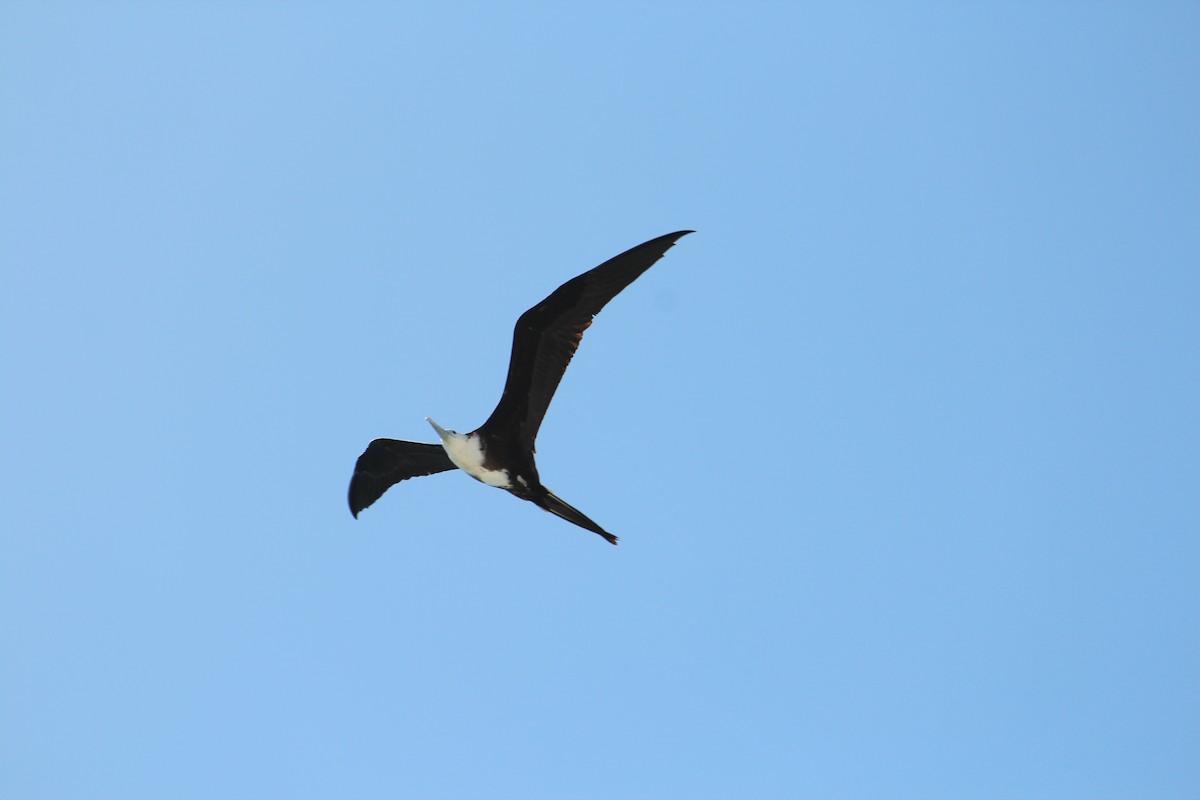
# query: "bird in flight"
(500, 451)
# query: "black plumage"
(544, 342)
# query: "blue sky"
(902, 445)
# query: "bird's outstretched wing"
(389, 461)
(547, 335)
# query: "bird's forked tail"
(557, 506)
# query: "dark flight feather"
(388, 461)
(546, 337)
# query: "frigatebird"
(500, 451)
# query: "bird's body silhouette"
(500, 452)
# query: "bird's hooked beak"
(442, 433)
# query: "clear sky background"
(903, 445)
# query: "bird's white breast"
(466, 451)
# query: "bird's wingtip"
(356, 506)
